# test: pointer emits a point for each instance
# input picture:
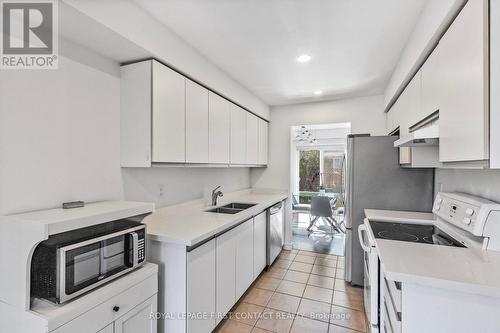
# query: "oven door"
(371, 275)
(86, 265)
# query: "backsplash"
(483, 183)
(171, 185)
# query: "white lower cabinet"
(138, 319)
(201, 288)
(259, 243)
(225, 272)
(244, 257)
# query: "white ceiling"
(354, 44)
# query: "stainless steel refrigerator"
(375, 180)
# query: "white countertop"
(462, 269)
(189, 223)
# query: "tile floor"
(321, 240)
(302, 292)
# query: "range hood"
(423, 136)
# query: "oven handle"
(361, 230)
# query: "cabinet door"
(263, 141)
(259, 243)
(244, 257)
(238, 135)
(138, 319)
(108, 329)
(196, 123)
(169, 113)
(463, 115)
(201, 287)
(225, 272)
(219, 132)
(252, 139)
(431, 87)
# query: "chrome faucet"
(215, 195)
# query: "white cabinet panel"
(226, 272)
(196, 123)
(108, 329)
(252, 151)
(259, 243)
(219, 129)
(201, 287)
(138, 319)
(169, 113)
(263, 141)
(463, 115)
(135, 120)
(244, 257)
(408, 113)
(238, 135)
(431, 84)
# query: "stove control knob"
(469, 211)
(467, 220)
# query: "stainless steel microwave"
(71, 263)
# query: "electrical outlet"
(161, 190)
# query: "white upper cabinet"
(169, 115)
(219, 129)
(463, 115)
(238, 135)
(252, 140)
(263, 141)
(196, 123)
(431, 84)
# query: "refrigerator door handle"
(361, 231)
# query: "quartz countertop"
(189, 223)
(462, 269)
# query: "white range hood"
(424, 136)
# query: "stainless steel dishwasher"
(275, 239)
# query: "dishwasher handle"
(276, 208)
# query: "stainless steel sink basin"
(231, 208)
(238, 205)
(224, 210)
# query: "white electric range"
(459, 221)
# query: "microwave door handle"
(361, 231)
(133, 258)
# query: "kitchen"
(171, 143)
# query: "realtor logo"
(29, 35)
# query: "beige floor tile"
(308, 253)
(294, 251)
(314, 310)
(328, 256)
(258, 296)
(296, 276)
(283, 302)
(275, 321)
(246, 313)
(352, 301)
(301, 325)
(276, 272)
(326, 262)
(348, 318)
(287, 255)
(339, 329)
(321, 281)
(340, 264)
(282, 263)
(318, 294)
(231, 326)
(323, 270)
(305, 259)
(266, 282)
(301, 267)
(259, 330)
(342, 285)
(340, 274)
(291, 288)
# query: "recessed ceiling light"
(318, 92)
(304, 58)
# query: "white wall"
(483, 183)
(433, 20)
(181, 184)
(133, 23)
(365, 115)
(59, 136)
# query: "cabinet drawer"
(392, 308)
(393, 291)
(103, 314)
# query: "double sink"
(231, 208)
